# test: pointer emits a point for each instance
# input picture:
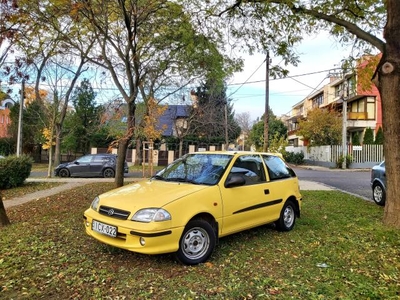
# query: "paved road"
(351, 181)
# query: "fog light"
(142, 241)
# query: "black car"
(378, 183)
(93, 165)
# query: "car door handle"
(266, 192)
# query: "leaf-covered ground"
(338, 250)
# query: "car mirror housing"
(234, 180)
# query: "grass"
(45, 254)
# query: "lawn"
(338, 250)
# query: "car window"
(196, 168)
(85, 159)
(102, 158)
(250, 167)
(277, 168)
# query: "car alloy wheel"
(63, 173)
(378, 194)
(108, 173)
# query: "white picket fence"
(364, 156)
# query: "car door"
(81, 166)
(248, 205)
(97, 164)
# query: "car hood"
(148, 193)
(63, 165)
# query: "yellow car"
(194, 201)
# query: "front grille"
(114, 212)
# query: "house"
(364, 106)
(5, 120)
(174, 120)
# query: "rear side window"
(277, 168)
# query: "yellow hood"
(148, 193)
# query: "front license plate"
(104, 228)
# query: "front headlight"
(151, 214)
(95, 203)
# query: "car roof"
(233, 153)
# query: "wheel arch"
(296, 203)
(208, 218)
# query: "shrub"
(355, 140)
(379, 137)
(349, 160)
(368, 136)
(294, 158)
(14, 170)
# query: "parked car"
(378, 183)
(195, 200)
(92, 165)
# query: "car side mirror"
(234, 180)
(76, 162)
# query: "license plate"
(104, 228)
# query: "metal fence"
(364, 156)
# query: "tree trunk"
(180, 147)
(57, 151)
(4, 221)
(389, 88)
(119, 172)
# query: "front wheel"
(378, 194)
(108, 173)
(287, 218)
(197, 242)
(63, 173)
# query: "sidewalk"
(76, 182)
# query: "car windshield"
(196, 168)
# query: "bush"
(368, 136)
(349, 160)
(294, 158)
(14, 170)
(379, 137)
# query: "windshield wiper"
(157, 177)
(180, 179)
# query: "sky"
(318, 55)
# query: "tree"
(368, 136)
(214, 114)
(146, 47)
(84, 121)
(277, 131)
(278, 25)
(245, 123)
(379, 137)
(322, 127)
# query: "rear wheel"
(378, 194)
(288, 217)
(63, 173)
(108, 173)
(197, 242)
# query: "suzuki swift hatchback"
(194, 201)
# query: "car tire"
(197, 242)
(287, 218)
(378, 194)
(63, 173)
(108, 173)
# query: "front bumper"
(156, 241)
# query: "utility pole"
(266, 114)
(21, 110)
(344, 125)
